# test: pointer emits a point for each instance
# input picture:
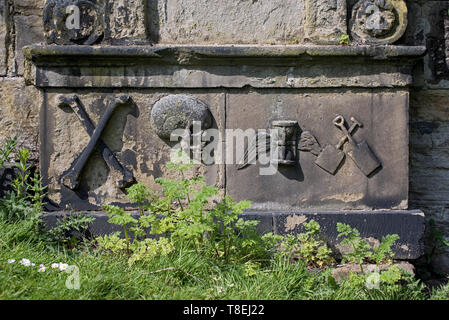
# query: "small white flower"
(42, 269)
(63, 266)
(25, 262)
(33, 264)
(10, 261)
(55, 266)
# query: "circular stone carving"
(179, 112)
(378, 21)
(86, 30)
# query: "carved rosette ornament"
(73, 21)
(378, 21)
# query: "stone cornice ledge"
(233, 66)
(39, 53)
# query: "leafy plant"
(184, 213)
(313, 249)
(295, 40)
(344, 39)
(383, 252)
(361, 250)
(218, 229)
(143, 250)
(194, 221)
(391, 276)
(24, 203)
(37, 191)
(139, 194)
(5, 151)
(140, 247)
(70, 229)
(14, 209)
(309, 246)
(437, 240)
(229, 233)
(122, 218)
(148, 249)
(20, 184)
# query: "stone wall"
(20, 25)
(429, 118)
(278, 22)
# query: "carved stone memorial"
(334, 116)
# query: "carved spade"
(330, 159)
(332, 156)
(360, 153)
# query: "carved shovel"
(361, 153)
(332, 156)
(330, 159)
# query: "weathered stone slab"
(429, 162)
(373, 225)
(384, 116)
(28, 30)
(130, 137)
(309, 76)
(326, 21)
(427, 26)
(409, 225)
(19, 113)
(127, 21)
(203, 21)
(383, 139)
(221, 66)
(265, 220)
(101, 226)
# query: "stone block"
(127, 21)
(229, 66)
(429, 105)
(130, 137)
(19, 113)
(98, 228)
(4, 36)
(265, 220)
(312, 94)
(429, 162)
(226, 21)
(29, 30)
(385, 128)
(28, 7)
(372, 225)
(326, 21)
(426, 27)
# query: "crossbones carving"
(71, 178)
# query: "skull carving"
(179, 112)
